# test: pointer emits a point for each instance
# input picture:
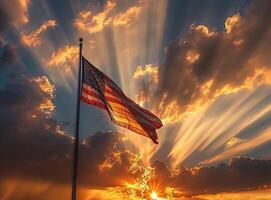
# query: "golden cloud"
(33, 39)
(64, 55)
(127, 16)
(47, 106)
(202, 29)
(232, 22)
(93, 23)
(90, 23)
(168, 111)
(45, 85)
(112, 159)
(149, 69)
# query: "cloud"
(240, 174)
(127, 16)
(264, 194)
(65, 58)
(232, 22)
(93, 23)
(146, 79)
(26, 93)
(33, 39)
(86, 21)
(7, 55)
(205, 64)
(13, 12)
(47, 106)
(64, 55)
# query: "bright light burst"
(143, 187)
(154, 195)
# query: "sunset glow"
(202, 67)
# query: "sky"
(203, 67)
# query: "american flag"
(99, 90)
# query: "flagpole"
(76, 140)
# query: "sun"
(154, 195)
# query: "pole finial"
(80, 40)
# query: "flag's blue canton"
(93, 79)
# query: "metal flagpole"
(76, 141)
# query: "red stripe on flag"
(115, 99)
(149, 133)
(93, 102)
(113, 92)
(120, 96)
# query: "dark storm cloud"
(228, 58)
(240, 174)
(7, 55)
(25, 131)
(4, 19)
(33, 147)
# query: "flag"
(99, 90)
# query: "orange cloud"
(127, 16)
(168, 111)
(112, 159)
(33, 39)
(202, 29)
(93, 23)
(64, 55)
(232, 22)
(47, 106)
(45, 85)
(88, 22)
(149, 69)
